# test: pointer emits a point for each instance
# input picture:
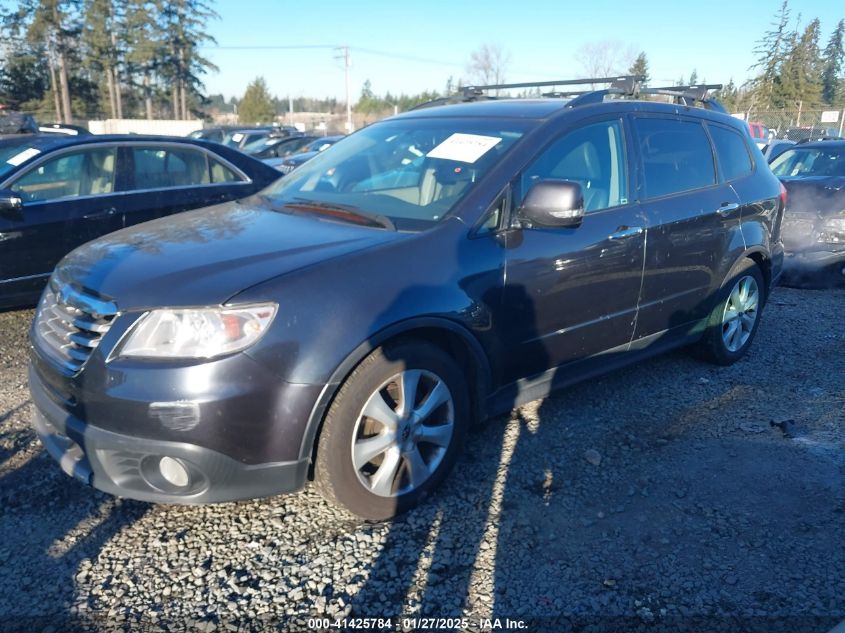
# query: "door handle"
(625, 231)
(100, 214)
(727, 207)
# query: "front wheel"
(393, 431)
(733, 323)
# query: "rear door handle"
(100, 214)
(727, 207)
(623, 232)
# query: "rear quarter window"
(676, 156)
(731, 152)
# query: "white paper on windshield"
(23, 156)
(466, 148)
(237, 137)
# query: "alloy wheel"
(741, 312)
(403, 432)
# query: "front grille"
(69, 324)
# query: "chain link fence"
(795, 124)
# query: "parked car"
(59, 191)
(351, 320)
(12, 122)
(277, 146)
(775, 148)
(216, 133)
(225, 133)
(814, 221)
(63, 128)
(759, 133)
(306, 153)
(813, 132)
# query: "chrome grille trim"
(69, 324)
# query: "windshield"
(13, 155)
(811, 161)
(412, 171)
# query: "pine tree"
(800, 77)
(52, 26)
(771, 51)
(256, 105)
(834, 55)
(183, 25)
(640, 67)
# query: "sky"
(407, 46)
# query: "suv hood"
(207, 256)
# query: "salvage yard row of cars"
(347, 322)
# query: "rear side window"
(732, 152)
(221, 173)
(676, 156)
(160, 168)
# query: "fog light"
(174, 472)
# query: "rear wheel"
(393, 431)
(733, 322)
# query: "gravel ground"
(660, 497)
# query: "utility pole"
(344, 55)
(290, 108)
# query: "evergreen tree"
(800, 76)
(52, 26)
(640, 67)
(256, 105)
(771, 51)
(833, 57)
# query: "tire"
(386, 478)
(727, 339)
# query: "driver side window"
(592, 156)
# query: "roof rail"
(688, 95)
(621, 85)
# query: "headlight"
(198, 333)
(832, 230)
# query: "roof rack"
(619, 85)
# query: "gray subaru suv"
(348, 323)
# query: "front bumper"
(815, 260)
(129, 466)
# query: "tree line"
(67, 59)
(793, 69)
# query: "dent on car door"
(687, 209)
(68, 200)
(571, 293)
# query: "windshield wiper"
(343, 212)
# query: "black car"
(349, 322)
(306, 152)
(277, 146)
(59, 191)
(215, 133)
(814, 221)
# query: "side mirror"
(554, 203)
(11, 204)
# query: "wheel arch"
(761, 257)
(452, 337)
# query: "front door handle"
(625, 231)
(727, 207)
(105, 213)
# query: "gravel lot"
(658, 497)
